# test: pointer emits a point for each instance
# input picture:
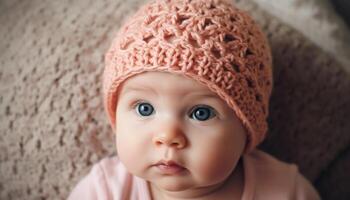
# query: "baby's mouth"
(169, 167)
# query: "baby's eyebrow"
(206, 95)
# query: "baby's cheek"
(126, 153)
(213, 166)
(122, 149)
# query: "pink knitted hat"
(209, 41)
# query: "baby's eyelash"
(203, 106)
(136, 103)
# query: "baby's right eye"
(144, 109)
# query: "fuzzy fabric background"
(53, 127)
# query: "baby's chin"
(181, 185)
(182, 189)
(172, 185)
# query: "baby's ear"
(114, 128)
(247, 141)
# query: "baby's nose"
(171, 136)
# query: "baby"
(186, 90)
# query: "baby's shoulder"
(265, 162)
(109, 164)
(267, 170)
(107, 179)
(275, 178)
(111, 168)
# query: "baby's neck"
(231, 189)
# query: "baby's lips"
(168, 163)
(169, 167)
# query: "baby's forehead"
(164, 82)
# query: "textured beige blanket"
(52, 124)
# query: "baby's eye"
(203, 113)
(144, 109)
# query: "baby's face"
(164, 117)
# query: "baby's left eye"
(203, 113)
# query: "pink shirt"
(265, 178)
